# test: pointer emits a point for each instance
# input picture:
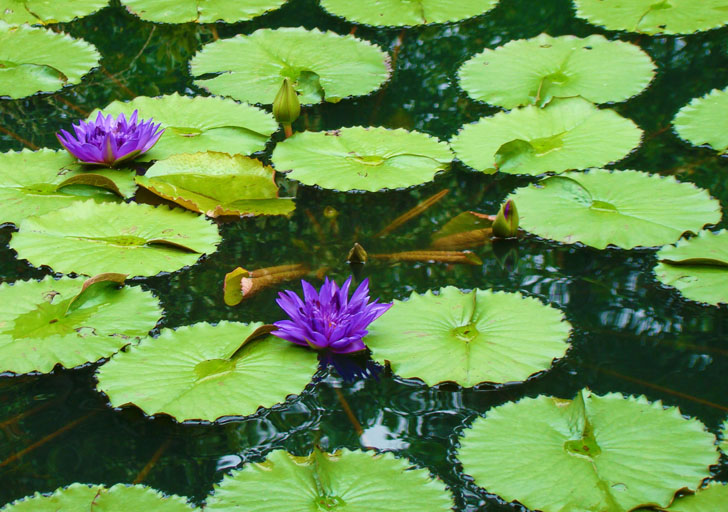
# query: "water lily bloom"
(328, 319)
(506, 221)
(108, 141)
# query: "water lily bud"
(286, 107)
(506, 222)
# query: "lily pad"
(724, 441)
(49, 322)
(97, 497)
(591, 453)
(568, 134)
(359, 158)
(184, 11)
(217, 184)
(698, 267)
(135, 239)
(654, 16)
(200, 124)
(36, 60)
(205, 372)
(38, 182)
(703, 121)
(622, 208)
(710, 499)
(485, 336)
(535, 71)
(396, 13)
(17, 12)
(322, 66)
(350, 481)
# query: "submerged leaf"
(703, 121)
(184, 11)
(485, 336)
(396, 13)
(241, 284)
(17, 12)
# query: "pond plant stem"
(352, 418)
(412, 213)
(142, 475)
(17, 137)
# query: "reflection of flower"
(108, 141)
(328, 319)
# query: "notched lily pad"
(485, 336)
(135, 239)
(217, 184)
(17, 12)
(604, 452)
(205, 372)
(36, 60)
(359, 158)
(38, 182)
(345, 480)
(89, 497)
(200, 123)
(396, 13)
(184, 11)
(536, 71)
(655, 16)
(626, 209)
(703, 121)
(709, 499)
(322, 66)
(697, 267)
(568, 134)
(70, 322)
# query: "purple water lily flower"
(328, 319)
(108, 141)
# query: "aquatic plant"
(505, 224)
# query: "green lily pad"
(654, 16)
(568, 134)
(350, 481)
(322, 66)
(703, 121)
(49, 322)
(135, 239)
(205, 372)
(535, 71)
(200, 124)
(698, 267)
(724, 441)
(359, 158)
(217, 184)
(485, 336)
(622, 208)
(710, 499)
(17, 12)
(38, 182)
(36, 60)
(396, 13)
(77, 497)
(184, 11)
(591, 453)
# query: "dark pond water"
(631, 334)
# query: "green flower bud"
(506, 222)
(286, 107)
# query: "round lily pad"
(217, 184)
(37, 60)
(322, 66)
(359, 158)
(535, 71)
(77, 497)
(205, 372)
(698, 267)
(49, 322)
(654, 16)
(38, 182)
(710, 499)
(184, 11)
(199, 124)
(17, 12)
(134, 239)
(485, 336)
(567, 134)
(591, 453)
(703, 121)
(621, 208)
(396, 13)
(350, 481)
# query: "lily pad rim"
(692, 103)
